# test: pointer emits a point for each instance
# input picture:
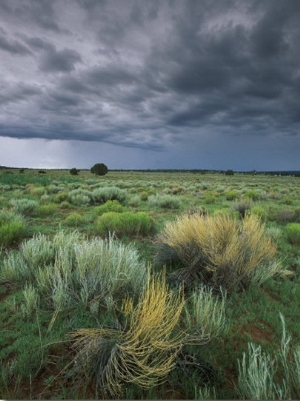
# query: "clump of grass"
(204, 315)
(258, 371)
(293, 233)
(220, 251)
(12, 227)
(126, 223)
(164, 201)
(256, 375)
(25, 207)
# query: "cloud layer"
(153, 75)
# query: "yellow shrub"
(220, 250)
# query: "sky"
(150, 84)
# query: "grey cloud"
(36, 12)
(17, 94)
(12, 46)
(59, 60)
(139, 73)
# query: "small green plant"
(109, 206)
(293, 233)
(231, 195)
(126, 223)
(260, 212)
(256, 375)
(12, 227)
(25, 207)
(204, 316)
(164, 201)
(101, 195)
(259, 378)
(74, 220)
(47, 210)
(80, 196)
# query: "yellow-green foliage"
(12, 227)
(109, 206)
(293, 233)
(220, 250)
(74, 219)
(142, 354)
(126, 223)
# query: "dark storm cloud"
(59, 60)
(137, 73)
(12, 46)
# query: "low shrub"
(12, 227)
(74, 220)
(260, 212)
(101, 195)
(37, 191)
(126, 223)
(164, 201)
(47, 210)
(68, 270)
(109, 206)
(242, 207)
(282, 216)
(293, 233)
(26, 207)
(134, 201)
(231, 195)
(61, 197)
(143, 352)
(220, 251)
(80, 196)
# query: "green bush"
(47, 210)
(26, 207)
(293, 233)
(61, 197)
(99, 169)
(126, 223)
(164, 201)
(260, 212)
(74, 171)
(109, 206)
(12, 227)
(231, 195)
(74, 220)
(102, 195)
(68, 269)
(80, 196)
(134, 201)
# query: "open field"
(94, 304)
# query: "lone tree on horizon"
(99, 169)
